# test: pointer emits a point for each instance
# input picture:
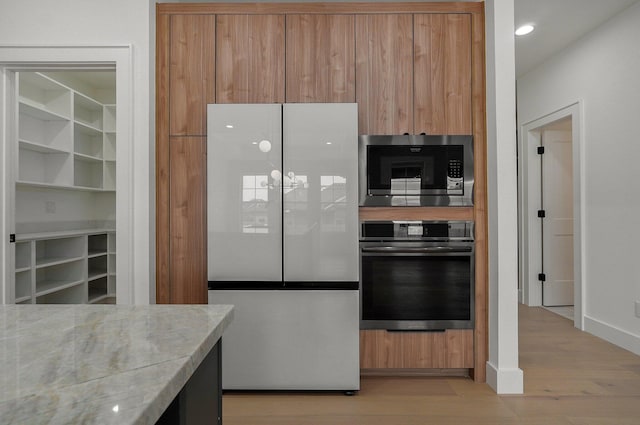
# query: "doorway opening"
(550, 213)
(64, 204)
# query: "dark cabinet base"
(200, 400)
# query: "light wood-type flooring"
(570, 378)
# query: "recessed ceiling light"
(229, 126)
(524, 30)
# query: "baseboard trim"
(614, 335)
(505, 381)
(416, 372)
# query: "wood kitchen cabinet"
(451, 349)
(186, 71)
(187, 244)
(250, 59)
(384, 73)
(412, 67)
(320, 58)
(442, 73)
(191, 73)
(414, 73)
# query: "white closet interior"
(65, 184)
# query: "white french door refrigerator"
(283, 243)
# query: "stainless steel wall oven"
(420, 170)
(417, 275)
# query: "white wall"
(603, 70)
(114, 22)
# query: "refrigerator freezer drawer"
(291, 340)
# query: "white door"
(244, 211)
(320, 191)
(557, 226)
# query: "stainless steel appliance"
(419, 170)
(283, 243)
(417, 275)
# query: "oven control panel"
(416, 230)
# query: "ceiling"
(558, 23)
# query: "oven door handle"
(420, 250)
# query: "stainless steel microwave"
(405, 170)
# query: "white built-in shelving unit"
(109, 147)
(66, 142)
(65, 267)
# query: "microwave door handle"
(420, 250)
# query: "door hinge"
(12, 238)
(540, 150)
(541, 214)
(542, 277)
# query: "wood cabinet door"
(187, 211)
(384, 73)
(452, 349)
(191, 73)
(250, 59)
(442, 69)
(320, 58)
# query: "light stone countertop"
(100, 364)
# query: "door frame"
(26, 57)
(529, 225)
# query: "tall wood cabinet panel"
(191, 85)
(442, 73)
(384, 73)
(320, 58)
(163, 168)
(188, 271)
(250, 58)
(481, 332)
(192, 73)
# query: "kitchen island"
(110, 364)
